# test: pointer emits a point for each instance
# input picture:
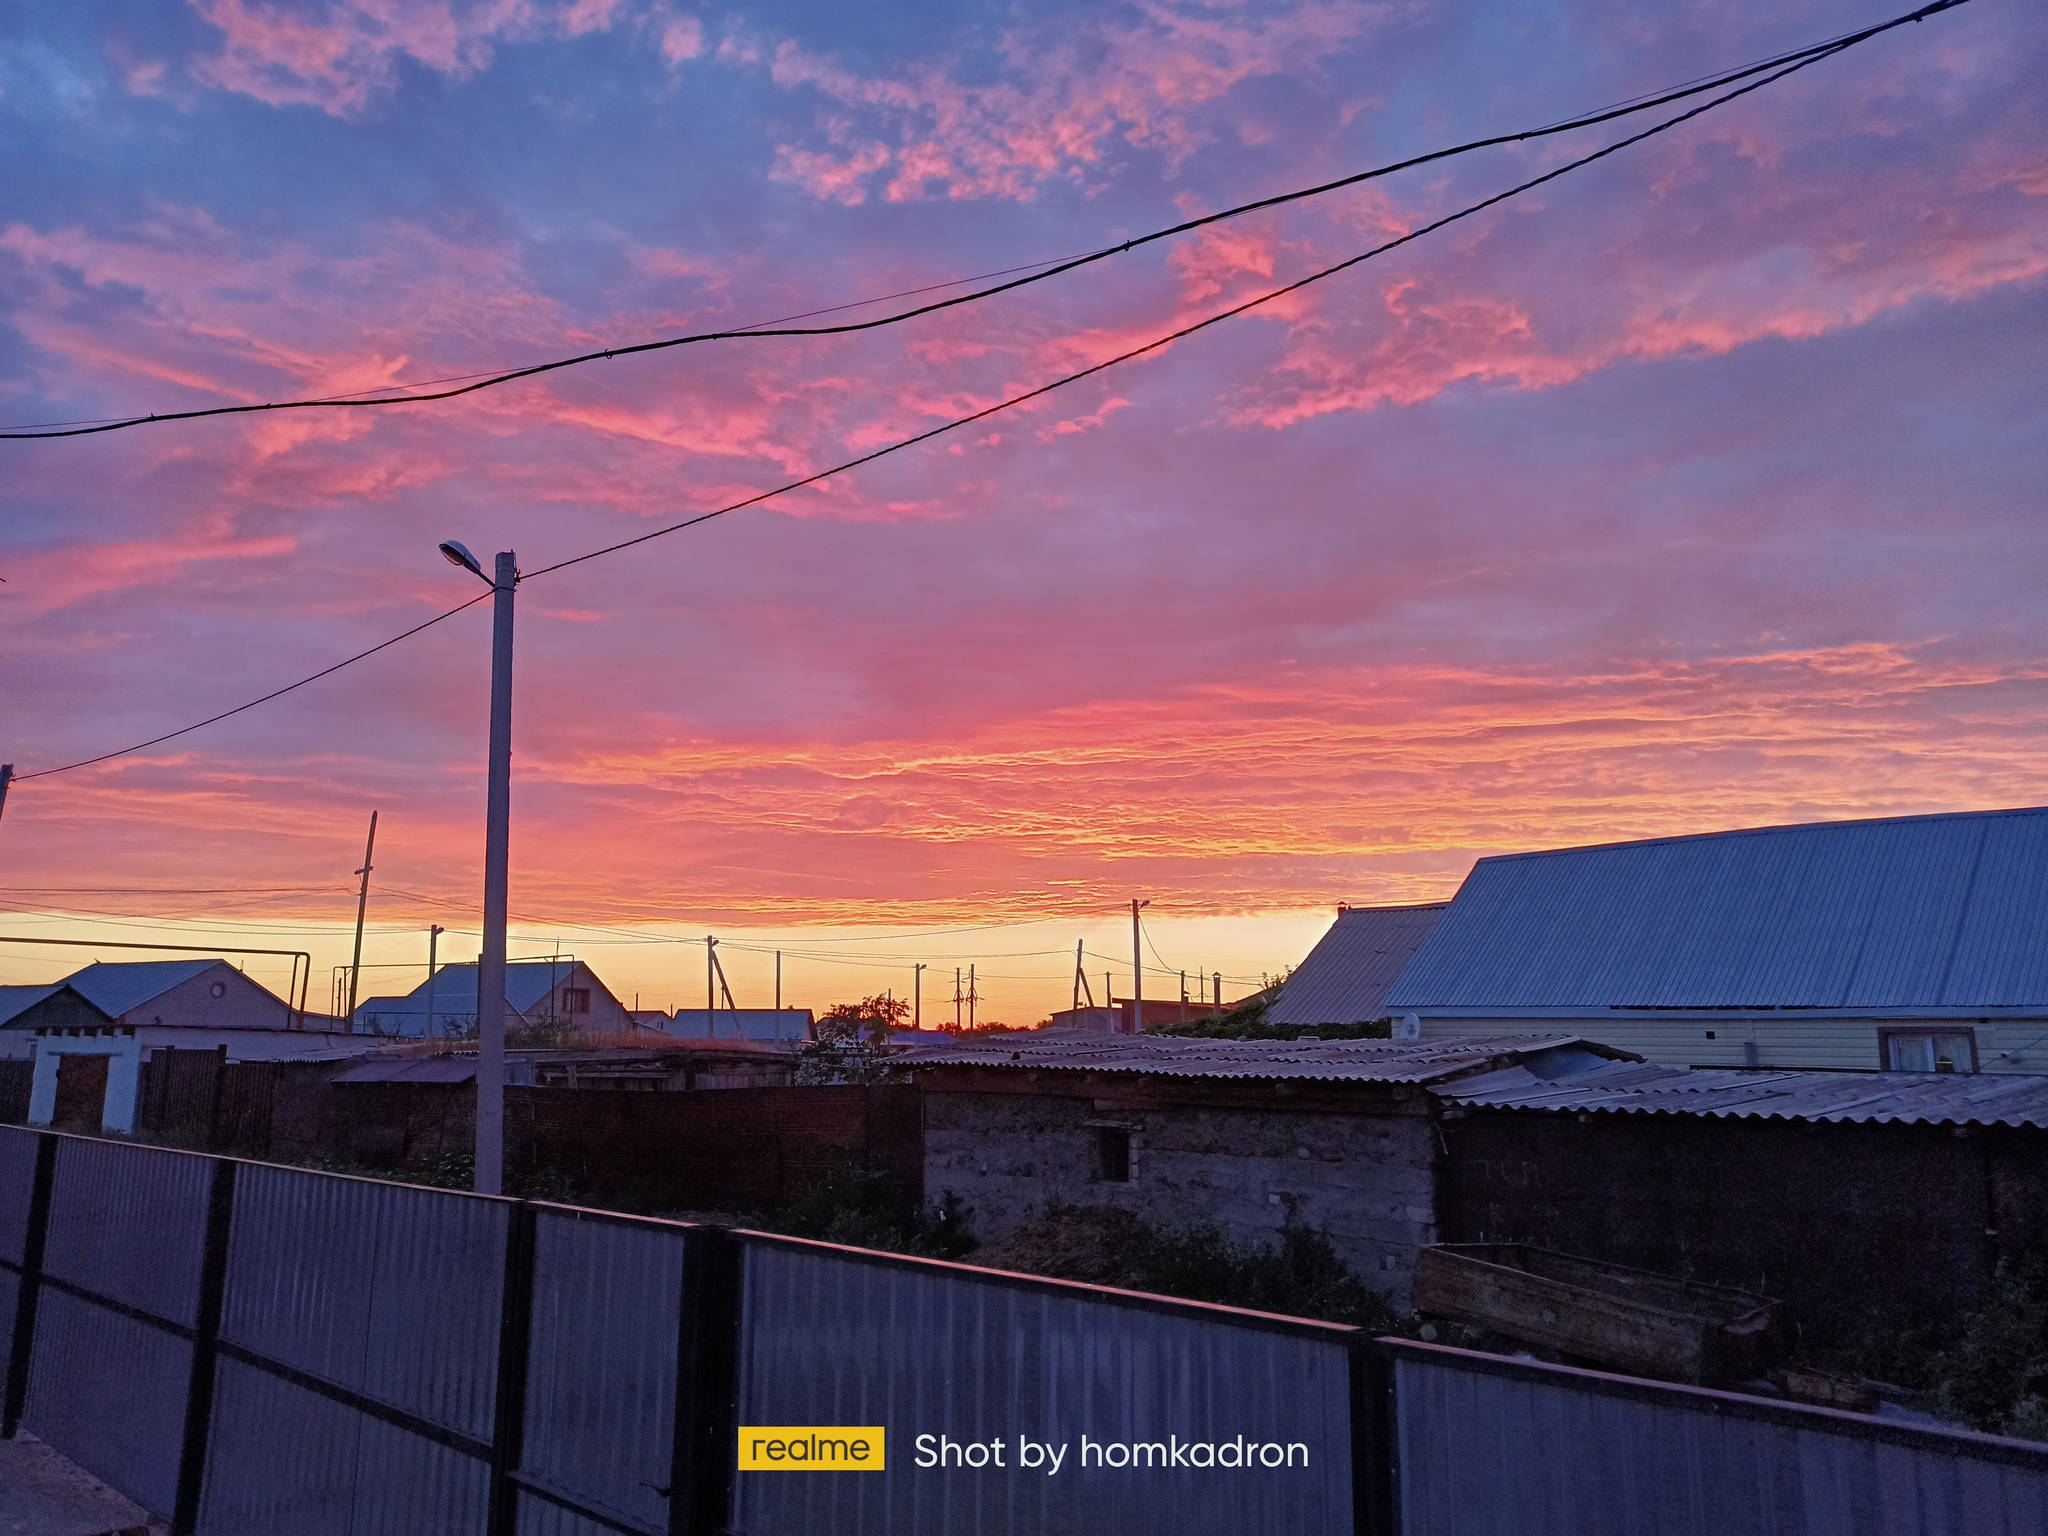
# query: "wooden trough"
(1632, 1320)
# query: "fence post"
(707, 1386)
(15, 1394)
(213, 1280)
(1375, 1503)
(515, 1344)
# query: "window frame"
(1886, 1034)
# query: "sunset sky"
(1702, 488)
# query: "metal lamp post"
(490, 967)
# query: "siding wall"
(1368, 1181)
(1834, 1044)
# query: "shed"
(1250, 1135)
(1869, 1200)
(1903, 943)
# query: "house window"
(1929, 1050)
(1113, 1154)
(575, 999)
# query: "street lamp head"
(458, 554)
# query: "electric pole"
(6, 778)
(434, 932)
(917, 997)
(355, 968)
(1137, 970)
(956, 999)
(490, 965)
(971, 998)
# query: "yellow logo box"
(811, 1448)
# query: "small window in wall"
(1112, 1154)
(1929, 1050)
(575, 999)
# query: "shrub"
(869, 1208)
(1301, 1275)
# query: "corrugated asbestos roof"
(1912, 912)
(1345, 978)
(114, 987)
(417, 1069)
(1902, 1098)
(1337, 1061)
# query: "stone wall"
(1365, 1180)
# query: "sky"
(1700, 488)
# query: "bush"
(869, 1208)
(1995, 1376)
(1301, 1276)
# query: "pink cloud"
(1062, 105)
(339, 55)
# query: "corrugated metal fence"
(252, 1350)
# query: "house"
(1345, 978)
(90, 1036)
(1869, 1201)
(564, 991)
(1915, 943)
(56, 1005)
(1337, 1135)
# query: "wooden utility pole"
(1137, 970)
(917, 997)
(434, 932)
(355, 967)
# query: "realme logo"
(811, 1448)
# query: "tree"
(851, 1043)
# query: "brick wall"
(724, 1150)
(1365, 1180)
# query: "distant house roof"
(1345, 978)
(116, 987)
(528, 984)
(1350, 1061)
(757, 1024)
(1919, 913)
(17, 1000)
(1637, 1088)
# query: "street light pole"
(490, 970)
(490, 960)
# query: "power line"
(1803, 62)
(469, 384)
(278, 693)
(1200, 325)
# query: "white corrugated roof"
(1904, 1098)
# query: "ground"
(42, 1494)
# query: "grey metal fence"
(252, 1351)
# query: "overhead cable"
(1027, 396)
(470, 384)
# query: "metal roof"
(726, 1024)
(528, 983)
(1345, 978)
(117, 986)
(1917, 912)
(1350, 1061)
(1889, 1098)
(15, 1001)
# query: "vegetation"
(850, 1043)
(1247, 1021)
(1301, 1275)
(1990, 1374)
(869, 1208)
